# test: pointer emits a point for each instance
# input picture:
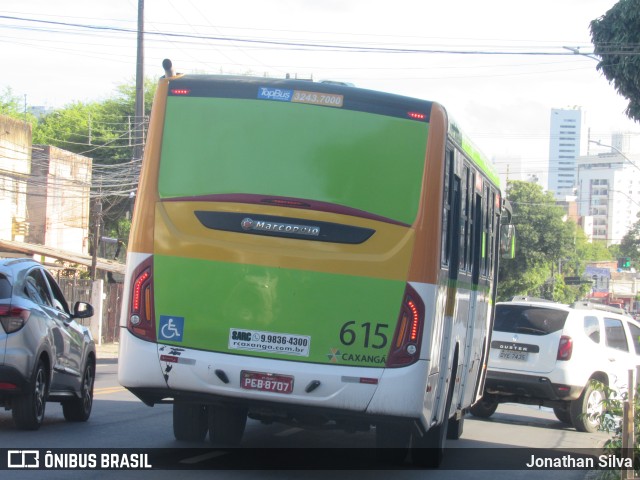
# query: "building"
(609, 191)
(58, 199)
(564, 148)
(44, 191)
(15, 167)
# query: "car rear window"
(528, 320)
(5, 288)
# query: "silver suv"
(44, 354)
(545, 353)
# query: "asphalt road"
(119, 421)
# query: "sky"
(503, 101)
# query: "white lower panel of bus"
(395, 392)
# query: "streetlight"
(576, 51)
(598, 142)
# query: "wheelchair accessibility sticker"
(171, 328)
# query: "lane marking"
(108, 390)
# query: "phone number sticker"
(316, 98)
(269, 342)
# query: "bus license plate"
(266, 382)
(509, 355)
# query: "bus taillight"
(141, 320)
(417, 115)
(405, 348)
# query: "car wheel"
(563, 414)
(189, 422)
(484, 408)
(226, 424)
(28, 409)
(586, 409)
(78, 409)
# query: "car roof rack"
(585, 304)
(526, 298)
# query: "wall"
(15, 167)
(59, 199)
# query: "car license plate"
(266, 382)
(509, 355)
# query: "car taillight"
(405, 348)
(141, 321)
(13, 318)
(565, 348)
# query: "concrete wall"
(15, 167)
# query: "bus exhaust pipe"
(168, 68)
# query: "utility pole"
(139, 117)
(96, 236)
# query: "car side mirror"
(82, 310)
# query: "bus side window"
(464, 219)
(477, 238)
(446, 208)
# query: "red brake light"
(405, 348)
(417, 115)
(13, 318)
(141, 320)
(137, 290)
(180, 91)
(565, 348)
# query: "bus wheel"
(189, 422)
(428, 451)
(226, 424)
(484, 408)
(455, 428)
(392, 441)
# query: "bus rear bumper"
(158, 373)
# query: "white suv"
(545, 353)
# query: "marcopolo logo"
(279, 94)
(277, 227)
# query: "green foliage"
(610, 420)
(630, 244)
(616, 36)
(544, 242)
(13, 106)
(9, 103)
(103, 131)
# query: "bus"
(309, 253)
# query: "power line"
(626, 50)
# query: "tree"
(12, 106)
(630, 244)
(616, 36)
(9, 103)
(104, 132)
(544, 244)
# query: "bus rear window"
(370, 162)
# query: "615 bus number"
(365, 333)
